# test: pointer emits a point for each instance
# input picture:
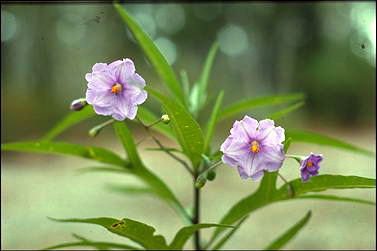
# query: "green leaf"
(185, 83)
(129, 189)
(212, 122)
(106, 169)
(324, 182)
(228, 235)
(200, 96)
(247, 105)
(333, 197)
(157, 59)
(187, 130)
(95, 244)
(194, 100)
(71, 119)
(147, 117)
(185, 233)
(160, 188)
(266, 195)
(277, 115)
(289, 234)
(89, 152)
(136, 231)
(316, 138)
(287, 144)
(165, 149)
(124, 134)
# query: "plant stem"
(291, 192)
(163, 148)
(196, 214)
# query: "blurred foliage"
(326, 50)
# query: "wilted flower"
(254, 147)
(115, 89)
(310, 166)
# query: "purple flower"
(310, 166)
(115, 89)
(254, 147)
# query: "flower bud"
(201, 180)
(78, 104)
(94, 131)
(211, 175)
(165, 119)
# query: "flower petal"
(250, 163)
(134, 94)
(100, 80)
(238, 132)
(99, 98)
(242, 173)
(250, 126)
(304, 176)
(103, 110)
(124, 70)
(273, 153)
(229, 160)
(99, 67)
(257, 176)
(136, 80)
(119, 116)
(237, 150)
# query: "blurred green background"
(327, 50)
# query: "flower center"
(117, 88)
(309, 164)
(254, 147)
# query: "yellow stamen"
(254, 147)
(309, 164)
(117, 88)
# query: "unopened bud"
(165, 119)
(201, 180)
(78, 104)
(94, 131)
(211, 175)
(206, 161)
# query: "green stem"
(196, 215)
(95, 130)
(166, 151)
(291, 192)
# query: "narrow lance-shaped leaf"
(186, 232)
(100, 245)
(316, 184)
(71, 119)
(277, 115)
(220, 243)
(160, 188)
(316, 138)
(212, 122)
(128, 143)
(289, 234)
(185, 84)
(113, 169)
(138, 232)
(333, 197)
(245, 106)
(157, 59)
(203, 82)
(130, 190)
(187, 130)
(89, 152)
